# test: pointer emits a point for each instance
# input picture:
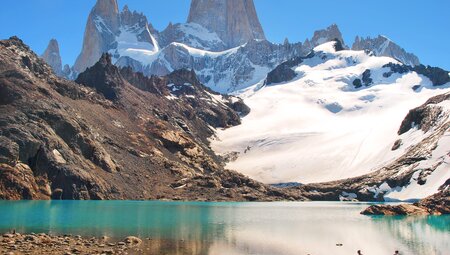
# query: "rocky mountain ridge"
(110, 139)
(383, 46)
(228, 54)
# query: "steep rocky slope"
(118, 136)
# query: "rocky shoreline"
(437, 204)
(67, 244)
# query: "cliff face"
(117, 135)
(235, 21)
(104, 29)
(101, 27)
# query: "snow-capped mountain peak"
(223, 42)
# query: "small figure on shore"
(359, 252)
(397, 253)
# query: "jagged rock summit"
(324, 35)
(106, 28)
(383, 46)
(104, 77)
(235, 21)
(222, 41)
(52, 56)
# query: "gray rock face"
(325, 35)
(382, 46)
(101, 28)
(105, 24)
(235, 21)
(52, 57)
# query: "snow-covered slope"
(422, 168)
(427, 133)
(319, 127)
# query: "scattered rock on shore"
(65, 244)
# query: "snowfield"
(318, 127)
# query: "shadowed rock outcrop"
(437, 76)
(284, 72)
(104, 77)
(425, 116)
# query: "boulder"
(132, 240)
(404, 209)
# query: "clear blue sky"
(421, 27)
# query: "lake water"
(235, 228)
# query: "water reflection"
(234, 228)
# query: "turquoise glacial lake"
(234, 228)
